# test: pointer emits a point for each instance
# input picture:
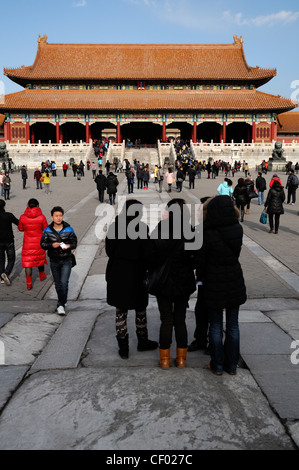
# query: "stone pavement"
(63, 385)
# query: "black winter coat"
(112, 183)
(126, 268)
(260, 183)
(241, 195)
(101, 182)
(275, 199)
(66, 235)
(181, 279)
(218, 266)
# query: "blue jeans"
(61, 273)
(224, 356)
(260, 197)
(9, 250)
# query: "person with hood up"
(275, 177)
(219, 270)
(32, 223)
(274, 205)
(125, 274)
(111, 184)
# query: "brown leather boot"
(164, 358)
(181, 356)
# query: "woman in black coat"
(125, 274)
(219, 270)
(274, 205)
(111, 184)
(178, 281)
(241, 196)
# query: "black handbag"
(156, 278)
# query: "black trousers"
(173, 317)
(8, 250)
(276, 221)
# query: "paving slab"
(10, 378)
(135, 409)
(65, 348)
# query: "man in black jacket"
(261, 186)
(101, 182)
(7, 245)
(60, 239)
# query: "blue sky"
(269, 30)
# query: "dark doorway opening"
(147, 132)
(43, 131)
(208, 131)
(73, 131)
(238, 131)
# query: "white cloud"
(81, 3)
(283, 17)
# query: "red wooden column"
(7, 132)
(224, 132)
(57, 133)
(32, 135)
(118, 133)
(273, 131)
(194, 135)
(27, 132)
(87, 138)
(253, 131)
(164, 132)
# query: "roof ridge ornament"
(238, 40)
(42, 40)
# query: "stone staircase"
(143, 155)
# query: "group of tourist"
(159, 264)
(56, 238)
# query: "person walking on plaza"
(146, 177)
(177, 283)
(59, 239)
(7, 246)
(112, 183)
(6, 185)
(292, 186)
(94, 170)
(37, 177)
(249, 183)
(32, 223)
(160, 179)
(24, 176)
(179, 179)
(130, 175)
(219, 270)
(225, 188)
(125, 274)
(46, 178)
(274, 205)
(191, 174)
(169, 179)
(101, 182)
(64, 169)
(139, 175)
(2, 174)
(261, 186)
(241, 196)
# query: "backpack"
(294, 181)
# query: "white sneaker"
(5, 279)
(60, 310)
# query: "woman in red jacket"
(32, 223)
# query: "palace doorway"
(147, 132)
